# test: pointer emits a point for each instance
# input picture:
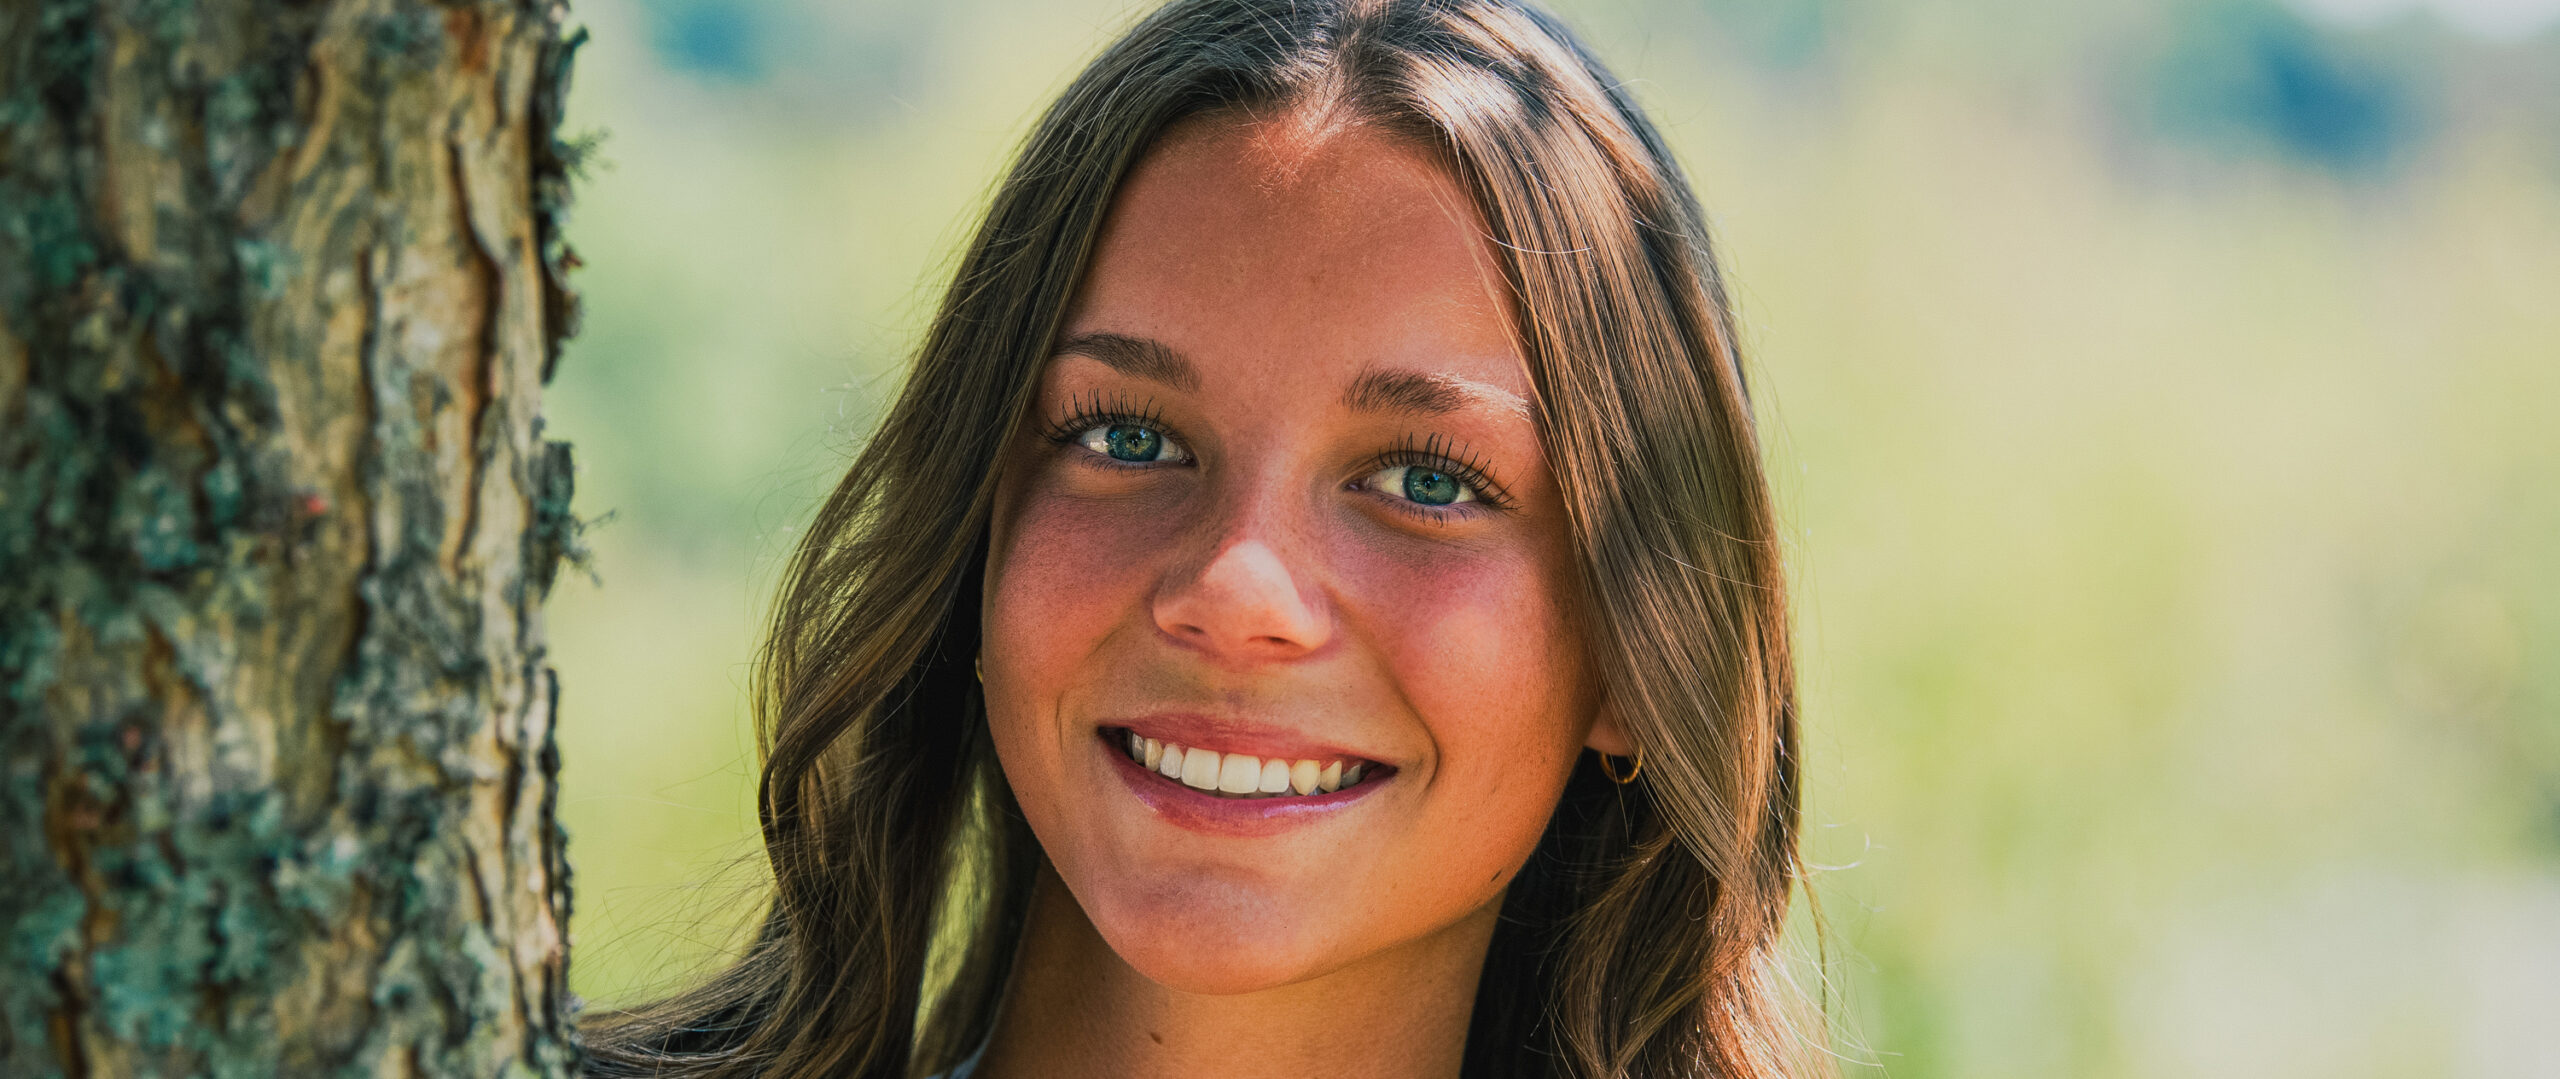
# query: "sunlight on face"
(1278, 650)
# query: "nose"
(1243, 603)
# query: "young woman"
(1313, 609)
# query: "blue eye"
(1134, 443)
(1421, 484)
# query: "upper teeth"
(1243, 774)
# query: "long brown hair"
(1641, 939)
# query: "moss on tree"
(279, 286)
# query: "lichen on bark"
(280, 283)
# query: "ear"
(1608, 735)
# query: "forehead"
(1285, 248)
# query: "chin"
(1211, 937)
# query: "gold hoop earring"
(979, 665)
(1611, 771)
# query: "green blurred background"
(2160, 395)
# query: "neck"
(1073, 1009)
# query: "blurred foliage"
(2159, 395)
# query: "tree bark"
(280, 284)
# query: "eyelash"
(1086, 413)
(1433, 452)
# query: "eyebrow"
(1389, 390)
(1137, 357)
(1375, 390)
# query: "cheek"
(1070, 572)
(1478, 642)
(1066, 576)
(1480, 647)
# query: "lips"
(1220, 787)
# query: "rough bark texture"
(279, 288)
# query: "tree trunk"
(279, 289)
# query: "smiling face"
(1279, 656)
